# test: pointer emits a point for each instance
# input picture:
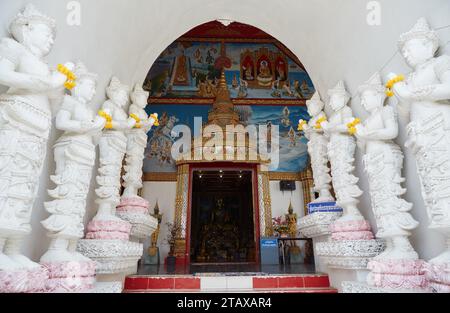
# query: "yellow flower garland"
(301, 125)
(137, 119)
(390, 84)
(352, 126)
(319, 122)
(71, 78)
(155, 117)
(108, 119)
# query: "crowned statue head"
(372, 93)
(419, 44)
(86, 85)
(339, 97)
(139, 96)
(118, 92)
(34, 30)
(315, 105)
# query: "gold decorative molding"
(302, 176)
(268, 231)
(273, 176)
(160, 177)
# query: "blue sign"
(269, 243)
(323, 207)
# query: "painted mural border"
(210, 101)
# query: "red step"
(298, 283)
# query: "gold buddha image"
(219, 236)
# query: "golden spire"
(156, 208)
(223, 112)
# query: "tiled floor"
(229, 269)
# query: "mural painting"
(293, 145)
(189, 69)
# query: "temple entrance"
(222, 217)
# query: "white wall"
(280, 200)
(331, 38)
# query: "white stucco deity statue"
(398, 267)
(341, 151)
(107, 239)
(137, 141)
(132, 207)
(74, 154)
(425, 94)
(25, 123)
(317, 148)
(113, 145)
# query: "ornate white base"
(358, 287)
(108, 287)
(143, 224)
(317, 224)
(112, 256)
(349, 254)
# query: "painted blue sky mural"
(293, 145)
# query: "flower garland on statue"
(390, 84)
(301, 125)
(137, 119)
(153, 118)
(352, 126)
(319, 122)
(71, 78)
(318, 125)
(107, 117)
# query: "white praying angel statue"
(341, 151)
(132, 207)
(113, 146)
(74, 154)
(318, 148)
(398, 267)
(383, 161)
(137, 141)
(25, 123)
(425, 94)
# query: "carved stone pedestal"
(135, 211)
(320, 217)
(316, 225)
(112, 256)
(348, 259)
(350, 254)
(403, 275)
(438, 275)
(23, 280)
(107, 287)
(71, 277)
(359, 287)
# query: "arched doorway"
(267, 85)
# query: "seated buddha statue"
(219, 236)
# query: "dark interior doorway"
(222, 220)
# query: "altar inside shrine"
(222, 226)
